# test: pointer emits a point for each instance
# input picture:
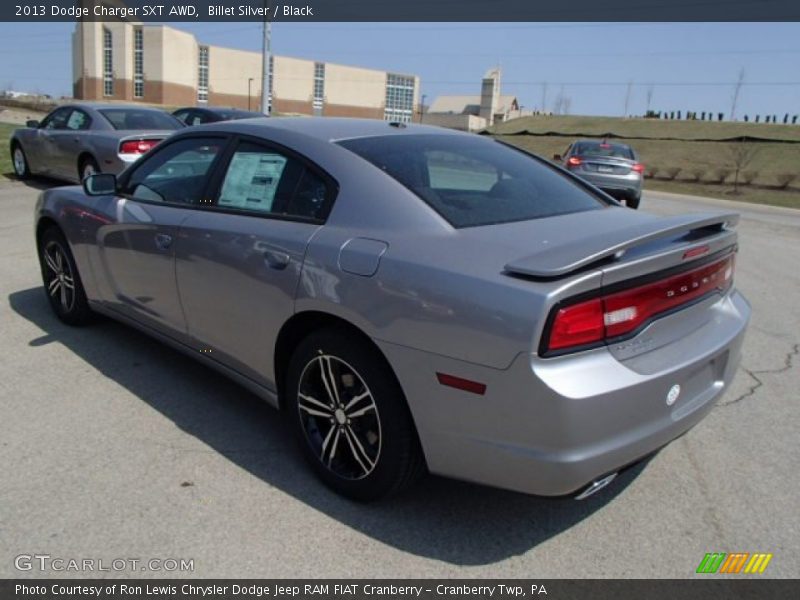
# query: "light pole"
(249, 83)
(422, 107)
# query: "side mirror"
(557, 157)
(100, 184)
(32, 123)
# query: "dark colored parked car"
(208, 114)
(77, 140)
(611, 166)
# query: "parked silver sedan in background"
(411, 296)
(611, 166)
(76, 140)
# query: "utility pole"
(266, 54)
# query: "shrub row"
(717, 175)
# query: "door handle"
(276, 259)
(163, 241)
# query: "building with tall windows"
(158, 64)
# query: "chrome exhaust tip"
(596, 486)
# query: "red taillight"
(577, 325)
(638, 167)
(622, 313)
(573, 161)
(137, 146)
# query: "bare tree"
(627, 98)
(544, 97)
(740, 156)
(567, 102)
(649, 95)
(736, 89)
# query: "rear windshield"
(603, 149)
(135, 118)
(471, 180)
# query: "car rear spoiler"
(559, 259)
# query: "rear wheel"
(62, 283)
(632, 201)
(88, 166)
(20, 162)
(351, 417)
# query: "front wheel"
(62, 283)
(351, 417)
(20, 162)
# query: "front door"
(137, 246)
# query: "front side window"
(176, 173)
(267, 181)
(57, 119)
(472, 181)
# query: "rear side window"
(473, 181)
(603, 149)
(265, 180)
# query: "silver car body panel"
(434, 299)
(56, 153)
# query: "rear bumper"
(628, 184)
(550, 426)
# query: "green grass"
(692, 158)
(5, 153)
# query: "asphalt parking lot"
(114, 446)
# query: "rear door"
(137, 246)
(238, 263)
(69, 142)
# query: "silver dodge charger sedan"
(76, 140)
(414, 298)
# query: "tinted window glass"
(181, 115)
(57, 119)
(472, 181)
(603, 149)
(137, 119)
(264, 180)
(176, 172)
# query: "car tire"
(88, 166)
(62, 282)
(20, 162)
(351, 418)
(632, 201)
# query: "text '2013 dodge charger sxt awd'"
(414, 298)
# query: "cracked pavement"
(114, 446)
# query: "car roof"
(328, 128)
(602, 141)
(104, 105)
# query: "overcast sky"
(689, 66)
